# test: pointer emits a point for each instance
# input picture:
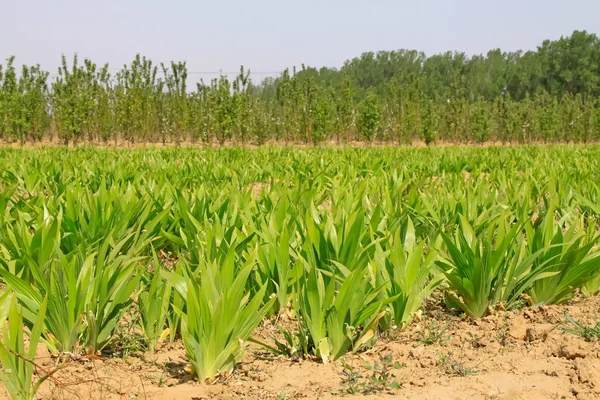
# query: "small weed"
(127, 342)
(295, 345)
(453, 367)
(475, 340)
(433, 333)
(378, 379)
(162, 381)
(502, 336)
(351, 378)
(460, 369)
(588, 333)
(444, 359)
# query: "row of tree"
(550, 95)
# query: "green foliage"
(564, 260)
(74, 98)
(379, 378)
(405, 273)
(23, 103)
(369, 117)
(433, 332)
(481, 121)
(341, 243)
(428, 123)
(220, 316)
(17, 369)
(484, 270)
(394, 96)
(135, 100)
(154, 306)
(588, 333)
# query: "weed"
(378, 379)
(294, 345)
(433, 333)
(588, 333)
(452, 367)
(475, 340)
(127, 342)
(460, 369)
(502, 336)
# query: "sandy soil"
(510, 355)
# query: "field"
(288, 273)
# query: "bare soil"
(522, 354)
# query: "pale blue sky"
(269, 35)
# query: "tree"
(322, 115)
(242, 100)
(481, 120)
(369, 116)
(74, 101)
(224, 109)
(428, 122)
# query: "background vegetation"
(547, 95)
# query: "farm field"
(289, 273)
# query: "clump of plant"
(18, 367)
(573, 327)
(565, 260)
(220, 314)
(405, 272)
(378, 378)
(454, 367)
(433, 332)
(485, 269)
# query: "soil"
(523, 354)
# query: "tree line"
(551, 94)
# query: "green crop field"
(200, 246)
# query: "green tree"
(428, 122)
(369, 117)
(481, 120)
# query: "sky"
(269, 35)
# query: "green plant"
(154, 306)
(460, 369)
(378, 379)
(588, 333)
(405, 274)
(338, 320)
(220, 316)
(429, 123)
(565, 261)
(126, 341)
(453, 367)
(294, 346)
(369, 116)
(485, 270)
(17, 363)
(350, 378)
(433, 332)
(86, 296)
